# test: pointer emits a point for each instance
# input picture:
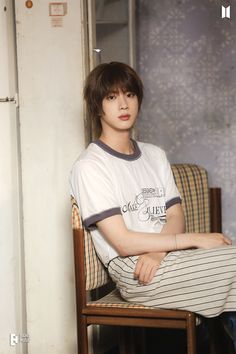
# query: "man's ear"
(100, 114)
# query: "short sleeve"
(93, 189)
(172, 195)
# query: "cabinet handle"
(7, 99)
(10, 99)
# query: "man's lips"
(124, 117)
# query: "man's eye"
(111, 97)
(130, 94)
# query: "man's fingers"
(228, 240)
(153, 272)
(148, 274)
(146, 267)
(143, 273)
(137, 269)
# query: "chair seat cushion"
(113, 299)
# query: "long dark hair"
(104, 79)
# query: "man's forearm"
(175, 225)
(175, 221)
(128, 242)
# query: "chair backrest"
(192, 183)
(94, 271)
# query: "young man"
(129, 201)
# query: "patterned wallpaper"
(186, 56)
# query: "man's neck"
(119, 142)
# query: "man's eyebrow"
(112, 92)
(116, 91)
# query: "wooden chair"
(90, 273)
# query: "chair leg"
(82, 335)
(191, 334)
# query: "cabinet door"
(111, 31)
(12, 298)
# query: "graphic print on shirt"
(149, 205)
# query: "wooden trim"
(137, 322)
(191, 333)
(131, 312)
(78, 236)
(215, 210)
(82, 336)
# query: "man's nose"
(123, 102)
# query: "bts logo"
(18, 338)
(225, 12)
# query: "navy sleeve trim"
(170, 203)
(91, 221)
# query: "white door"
(12, 319)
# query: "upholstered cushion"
(113, 299)
(96, 274)
(192, 183)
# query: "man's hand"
(211, 240)
(147, 265)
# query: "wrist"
(186, 240)
(197, 239)
(159, 253)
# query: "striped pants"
(197, 280)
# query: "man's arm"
(148, 263)
(175, 222)
(128, 242)
(152, 247)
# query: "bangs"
(112, 81)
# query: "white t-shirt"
(139, 186)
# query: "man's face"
(120, 111)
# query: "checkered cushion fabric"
(113, 299)
(192, 184)
(96, 274)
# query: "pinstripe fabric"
(202, 281)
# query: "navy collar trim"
(128, 157)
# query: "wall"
(186, 57)
(51, 71)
